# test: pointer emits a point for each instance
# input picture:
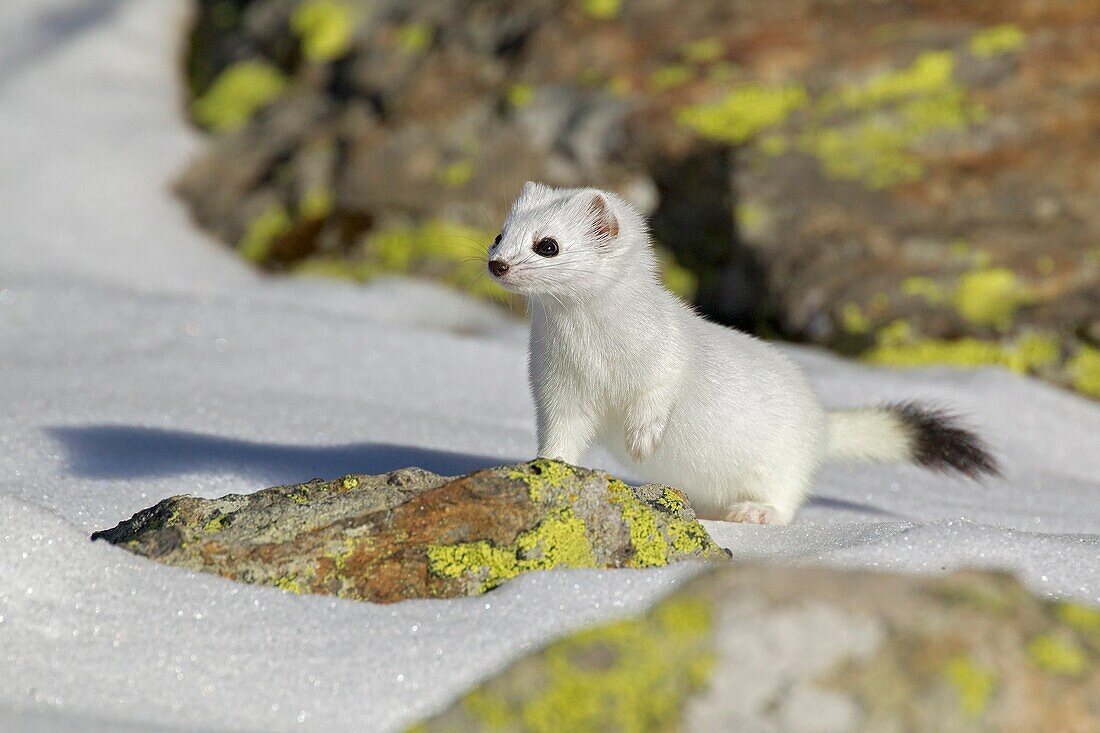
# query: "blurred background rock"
(908, 183)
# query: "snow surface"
(139, 360)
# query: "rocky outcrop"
(913, 191)
(755, 648)
(415, 534)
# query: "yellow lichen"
(650, 547)
(649, 666)
(288, 584)
(996, 40)
(263, 232)
(1084, 371)
(925, 288)
(703, 50)
(543, 475)
(669, 77)
(457, 174)
(520, 95)
(559, 541)
(236, 94)
(439, 249)
(316, 204)
(973, 682)
(676, 277)
(216, 524)
(601, 9)
(990, 297)
(930, 73)
(1058, 655)
(414, 38)
(1029, 352)
(324, 28)
(752, 217)
(619, 86)
(743, 112)
(1080, 617)
(853, 320)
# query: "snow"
(138, 360)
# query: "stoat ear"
(604, 225)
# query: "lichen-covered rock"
(758, 648)
(911, 192)
(415, 534)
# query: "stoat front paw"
(642, 441)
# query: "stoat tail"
(908, 432)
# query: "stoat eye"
(496, 241)
(546, 247)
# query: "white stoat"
(728, 419)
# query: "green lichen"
(633, 675)
(601, 9)
(997, 40)
(990, 297)
(559, 541)
(1084, 371)
(670, 77)
(1059, 655)
(974, 683)
(744, 112)
(236, 94)
(263, 232)
(324, 29)
(650, 546)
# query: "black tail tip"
(942, 444)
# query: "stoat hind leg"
(751, 512)
(773, 499)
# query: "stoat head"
(569, 243)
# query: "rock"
(909, 193)
(415, 534)
(764, 648)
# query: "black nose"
(498, 267)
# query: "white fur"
(616, 358)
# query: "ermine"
(617, 359)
